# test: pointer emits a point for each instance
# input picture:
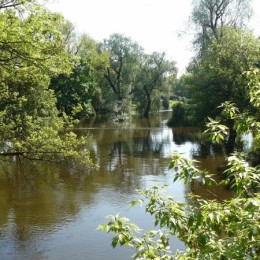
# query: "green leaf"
(115, 241)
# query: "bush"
(179, 114)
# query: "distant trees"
(151, 80)
(220, 75)
(133, 77)
(121, 72)
(114, 77)
(75, 91)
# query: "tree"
(224, 50)
(32, 51)
(153, 74)
(210, 16)
(120, 73)
(75, 91)
(220, 77)
(210, 229)
(90, 51)
(4, 4)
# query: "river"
(54, 214)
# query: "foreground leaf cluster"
(210, 229)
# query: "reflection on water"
(52, 213)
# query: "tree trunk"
(147, 109)
(148, 104)
(230, 145)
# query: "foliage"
(219, 77)
(246, 120)
(154, 70)
(180, 87)
(120, 72)
(183, 108)
(75, 91)
(179, 114)
(224, 50)
(210, 229)
(32, 51)
(210, 16)
(115, 77)
(216, 131)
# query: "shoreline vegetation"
(51, 78)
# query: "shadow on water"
(52, 213)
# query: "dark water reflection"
(54, 214)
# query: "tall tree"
(153, 73)
(225, 49)
(220, 76)
(32, 51)
(120, 73)
(76, 90)
(209, 16)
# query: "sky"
(156, 25)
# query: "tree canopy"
(32, 52)
(121, 72)
(225, 49)
(210, 16)
(154, 70)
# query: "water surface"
(53, 213)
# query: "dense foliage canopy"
(225, 50)
(32, 52)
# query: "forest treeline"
(51, 77)
(219, 92)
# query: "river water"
(53, 213)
